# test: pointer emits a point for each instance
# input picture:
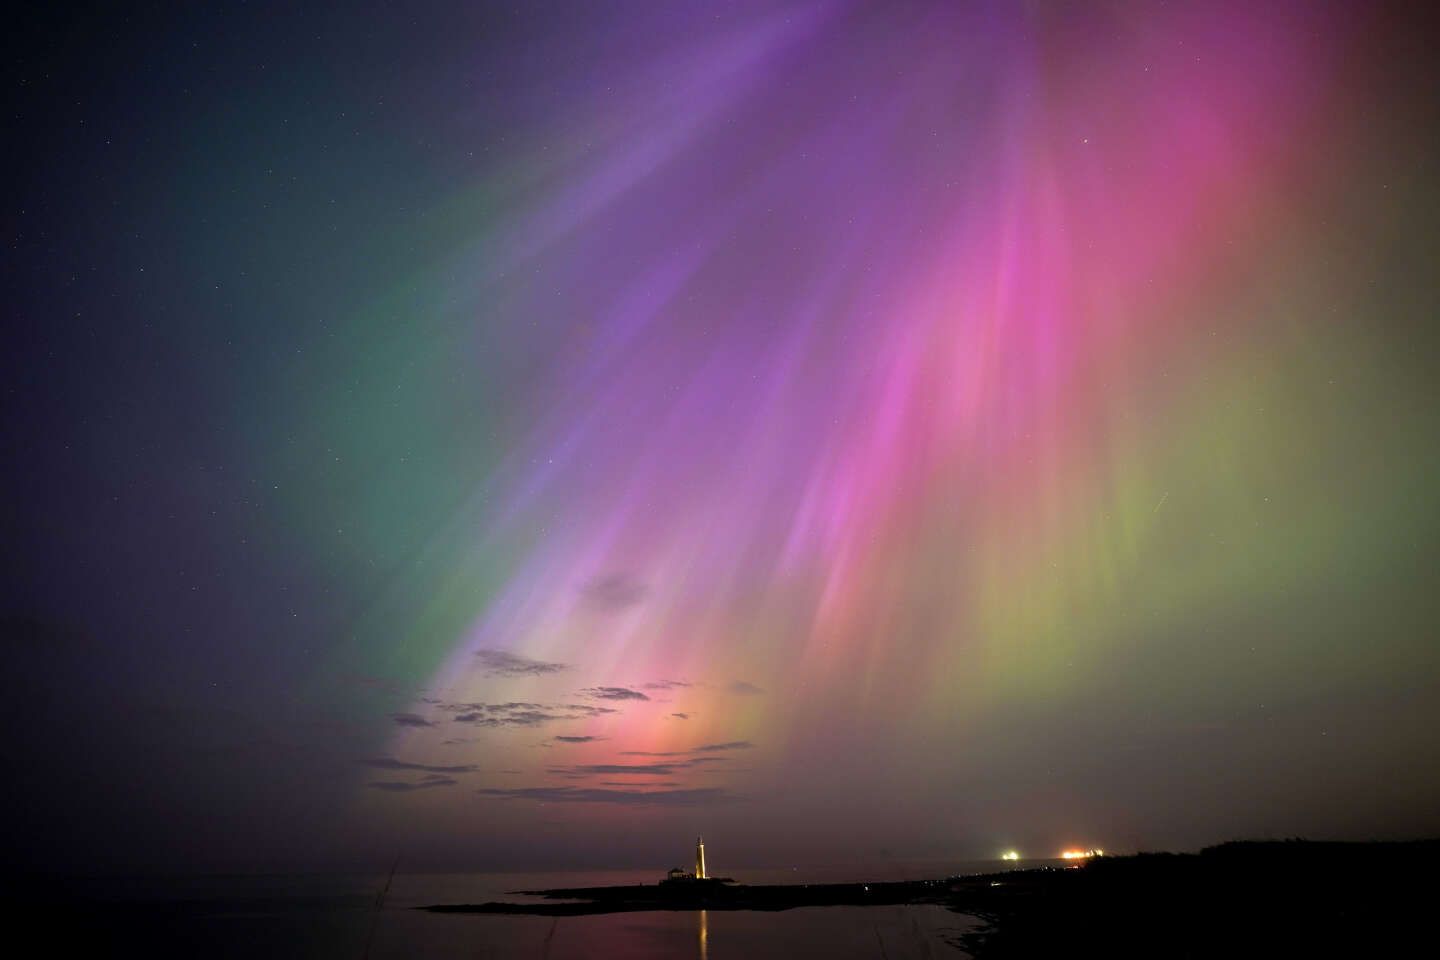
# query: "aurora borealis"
(504, 437)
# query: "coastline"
(1264, 898)
(582, 901)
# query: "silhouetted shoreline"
(711, 896)
(1237, 899)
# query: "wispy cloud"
(404, 786)
(517, 718)
(745, 688)
(587, 710)
(521, 714)
(410, 720)
(653, 753)
(707, 748)
(577, 739)
(390, 763)
(667, 684)
(625, 769)
(663, 768)
(681, 716)
(626, 797)
(613, 693)
(499, 663)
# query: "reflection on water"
(843, 933)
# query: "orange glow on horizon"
(1081, 854)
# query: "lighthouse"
(680, 879)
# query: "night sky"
(525, 435)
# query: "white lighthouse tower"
(700, 858)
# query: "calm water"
(314, 917)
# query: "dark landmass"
(1245, 899)
(1269, 898)
(710, 895)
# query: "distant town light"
(1009, 855)
(1081, 854)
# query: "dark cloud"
(517, 718)
(404, 786)
(578, 739)
(587, 710)
(521, 714)
(529, 718)
(583, 709)
(498, 663)
(652, 753)
(611, 592)
(667, 684)
(624, 769)
(745, 688)
(664, 768)
(613, 693)
(490, 707)
(627, 797)
(390, 763)
(410, 720)
(707, 748)
(681, 716)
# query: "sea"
(330, 916)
